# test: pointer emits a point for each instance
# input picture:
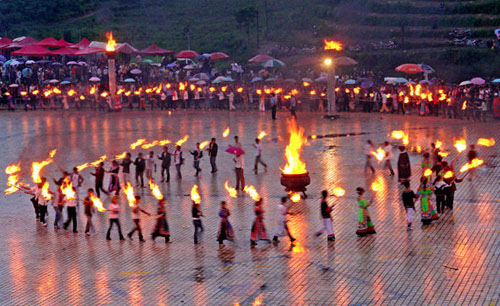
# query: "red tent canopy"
(4, 42)
(88, 50)
(187, 54)
(218, 55)
(127, 49)
(49, 42)
(32, 51)
(64, 51)
(64, 43)
(84, 43)
(261, 58)
(21, 42)
(155, 50)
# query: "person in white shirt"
(237, 142)
(36, 191)
(231, 101)
(178, 160)
(369, 148)
(76, 180)
(136, 218)
(388, 157)
(150, 166)
(281, 226)
(71, 208)
(239, 164)
(114, 217)
(258, 155)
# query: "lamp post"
(111, 53)
(330, 47)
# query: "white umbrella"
(94, 79)
(274, 63)
(465, 83)
(54, 81)
(201, 82)
(189, 67)
(13, 85)
(71, 63)
(30, 62)
(135, 71)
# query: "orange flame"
(398, 134)
(232, 192)
(155, 190)
(460, 145)
(417, 89)
(67, 190)
(262, 134)
(379, 154)
(111, 45)
(240, 89)
(333, 45)
(339, 192)
(258, 301)
(81, 167)
(129, 192)
(464, 106)
(150, 145)
(36, 168)
(45, 191)
(438, 144)
(476, 162)
(443, 154)
(294, 163)
(225, 133)
(71, 92)
(164, 142)
(180, 142)
(295, 197)
(252, 192)
(377, 185)
(305, 84)
(13, 168)
(56, 90)
(35, 92)
(486, 142)
(448, 174)
(82, 97)
(52, 153)
(259, 91)
(100, 160)
(92, 90)
(121, 156)
(195, 196)
(182, 86)
(12, 183)
(137, 143)
(204, 144)
(427, 172)
(97, 203)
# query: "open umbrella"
(308, 80)
(273, 63)
(228, 79)
(54, 81)
(129, 80)
(193, 79)
(187, 54)
(82, 64)
(464, 83)
(135, 71)
(71, 63)
(201, 82)
(477, 81)
(13, 85)
(261, 58)
(172, 65)
(321, 80)
(345, 61)
(56, 64)
(65, 82)
(95, 79)
(147, 61)
(188, 67)
(219, 79)
(427, 68)
(218, 55)
(409, 68)
(256, 80)
(2, 58)
(30, 62)
(235, 150)
(350, 82)
(202, 76)
(495, 81)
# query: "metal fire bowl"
(295, 182)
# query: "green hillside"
(420, 29)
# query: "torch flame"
(81, 167)
(45, 191)
(149, 145)
(486, 142)
(294, 163)
(110, 46)
(225, 133)
(232, 192)
(155, 190)
(464, 106)
(258, 301)
(67, 190)
(262, 134)
(339, 192)
(252, 192)
(121, 156)
(476, 162)
(398, 134)
(295, 197)
(13, 168)
(195, 196)
(448, 174)
(52, 153)
(37, 168)
(97, 203)
(164, 142)
(333, 45)
(129, 192)
(204, 144)
(137, 143)
(460, 145)
(100, 160)
(438, 144)
(443, 154)
(379, 154)
(180, 142)
(92, 90)
(427, 172)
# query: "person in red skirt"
(258, 228)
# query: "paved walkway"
(454, 261)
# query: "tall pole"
(112, 79)
(332, 83)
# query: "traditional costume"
(365, 225)
(225, 228)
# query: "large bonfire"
(293, 151)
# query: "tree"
(245, 18)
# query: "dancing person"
(225, 228)
(77, 181)
(258, 228)
(369, 148)
(196, 215)
(114, 180)
(70, 204)
(326, 217)
(126, 162)
(212, 153)
(99, 179)
(161, 226)
(428, 214)
(365, 224)
(165, 158)
(114, 218)
(150, 166)
(388, 157)
(281, 226)
(471, 155)
(197, 155)
(258, 156)
(136, 218)
(440, 192)
(239, 164)
(409, 198)
(404, 166)
(178, 160)
(89, 210)
(140, 166)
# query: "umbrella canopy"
(13, 85)
(94, 79)
(496, 81)
(82, 64)
(235, 150)
(64, 51)
(4, 42)
(393, 80)
(477, 81)
(147, 61)
(219, 79)
(126, 48)
(50, 42)
(56, 64)
(189, 67)
(64, 43)
(464, 83)
(218, 55)
(187, 54)
(172, 65)
(65, 82)
(201, 82)
(427, 68)
(261, 58)
(22, 41)
(129, 80)
(307, 80)
(321, 80)
(84, 43)
(71, 63)
(87, 51)
(273, 63)
(345, 61)
(30, 62)
(202, 76)
(155, 50)
(350, 82)
(32, 50)
(135, 71)
(307, 61)
(256, 80)
(54, 81)
(409, 68)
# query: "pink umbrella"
(187, 54)
(345, 61)
(218, 55)
(88, 50)
(235, 151)
(261, 58)
(477, 81)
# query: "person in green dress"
(365, 224)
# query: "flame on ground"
(137, 143)
(339, 192)
(295, 197)
(129, 192)
(294, 163)
(460, 145)
(252, 192)
(111, 45)
(225, 133)
(232, 192)
(180, 142)
(476, 162)
(195, 195)
(486, 142)
(155, 190)
(333, 45)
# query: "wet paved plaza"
(454, 261)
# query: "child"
(409, 198)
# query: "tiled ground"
(452, 262)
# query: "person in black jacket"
(212, 152)
(140, 166)
(99, 179)
(126, 162)
(197, 155)
(165, 158)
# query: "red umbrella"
(187, 54)
(218, 55)
(235, 150)
(64, 51)
(409, 68)
(155, 50)
(261, 58)
(345, 61)
(84, 43)
(32, 51)
(21, 42)
(50, 42)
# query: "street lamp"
(330, 47)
